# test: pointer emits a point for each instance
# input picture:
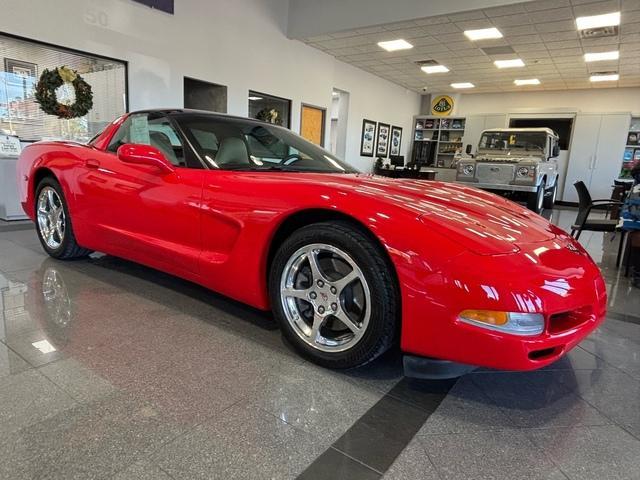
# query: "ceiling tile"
(560, 26)
(463, 16)
(544, 16)
(511, 20)
(596, 8)
(545, 5)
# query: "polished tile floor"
(112, 370)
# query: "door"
(584, 143)
(139, 212)
(609, 154)
(312, 124)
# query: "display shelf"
(437, 140)
(632, 149)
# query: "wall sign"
(368, 140)
(442, 105)
(9, 146)
(382, 147)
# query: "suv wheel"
(550, 196)
(536, 200)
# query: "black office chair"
(585, 205)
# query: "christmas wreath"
(46, 96)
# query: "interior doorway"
(562, 124)
(339, 119)
(312, 121)
(201, 95)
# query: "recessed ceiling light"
(434, 69)
(483, 34)
(463, 85)
(609, 77)
(599, 56)
(253, 99)
(393, 45)
(516, 62)
(596, 21)
(529, 81)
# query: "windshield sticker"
(139, 132)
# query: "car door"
(138, 211)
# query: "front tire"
(536, 200)
(334, 295)
(53, 222)
(550, 196)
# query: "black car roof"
(190, 111)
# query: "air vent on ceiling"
(492, 51)
(599, 32)
(425, 63)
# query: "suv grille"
(494, 173)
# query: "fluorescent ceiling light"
(393, 45)
(516, 62)
(598, 57)
(434, 69)
(596, 21)
(610, 77)
(255, 98)
(483, 34)
(529, 81)
(463, 85)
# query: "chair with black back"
(585, 205)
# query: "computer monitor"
(397, 160)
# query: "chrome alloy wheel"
(325, 297)
(51, 221)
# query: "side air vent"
(426, 63)
(599, 32)
(493, 51)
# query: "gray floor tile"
(142, 470)
(413, 463)
(537, 399)
(81, 383)
(584, 453)
(240, 442)
(10, 363)
(36, 347)
(333, 465)
(28, 398)
(506, 454)
(466, 409)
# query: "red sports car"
(349, 263)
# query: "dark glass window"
(270, 109)
(236, 144)
(562, 126)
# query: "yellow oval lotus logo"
(442, 105)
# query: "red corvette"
(349, 263)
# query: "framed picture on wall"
(382, 146)
(396, 140)
(368, 140)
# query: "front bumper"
(500, 187)
(547, 278)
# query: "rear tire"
(536, 200)
(550, 196)
(342, 312)
(53, 222)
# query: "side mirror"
(469, 149)
(556, 150)
(144, 155)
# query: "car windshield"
(237, 144)
(507, 141)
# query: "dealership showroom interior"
(319, 239)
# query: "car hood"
(484, 223)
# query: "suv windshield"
(237, 144)
(507, 141)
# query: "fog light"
(508, 322)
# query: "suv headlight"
(467, 169)
(515, 323)
(523, 171)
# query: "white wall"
(597, 100)
(238, 43)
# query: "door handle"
(92, 163)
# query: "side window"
(154, 130)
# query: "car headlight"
(523, 171)
(467, 169)
(516, 323)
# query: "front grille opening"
(561, 322)
(545, 353)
